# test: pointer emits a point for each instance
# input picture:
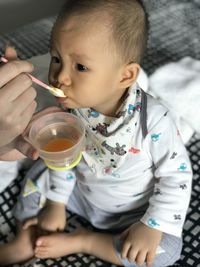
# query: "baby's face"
(84, 65)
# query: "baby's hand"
(51, 219)
(140, 243)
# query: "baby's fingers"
(150, 258)
(125, 249)
(132, 254)
(141, 257)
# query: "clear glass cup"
(59, 138)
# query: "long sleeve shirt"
(136, 170)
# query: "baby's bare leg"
(80, 241)
(20, 249)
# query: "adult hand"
(17, 98)
(17, 105)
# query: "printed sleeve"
(173, 176)
(61, 184)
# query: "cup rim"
(49, 115)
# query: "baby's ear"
(129, 74)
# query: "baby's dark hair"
(128, 23)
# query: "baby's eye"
(55, 59)
(81, 67)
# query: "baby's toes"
(41, 253)
(43, 241)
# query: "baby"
(134, 180)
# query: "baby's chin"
(68, 103)
(68, 106)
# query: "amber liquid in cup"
(58, 144)
(59, 138)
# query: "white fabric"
(9, 171)
(177, 86)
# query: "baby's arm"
(140, 243)
(53, 216)
(167, 210)
(173, 177)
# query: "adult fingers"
(28, 112)
(15, 87)
(12, 69)
(10, 53)
(27, 116)
(17, 119)
(22, 102)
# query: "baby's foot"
(58, 245)
(17, 251)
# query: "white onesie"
(122, 170)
